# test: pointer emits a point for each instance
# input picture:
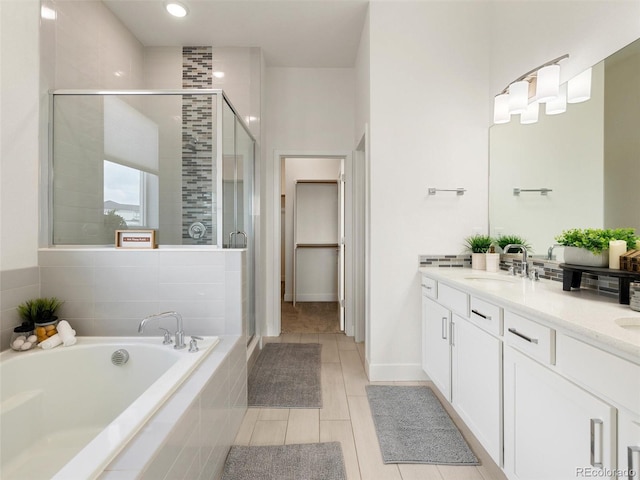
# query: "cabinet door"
(436, 356)
(553, 430)
(476, 387)
(628, 447)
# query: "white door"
(476, 383)
(553, 430)
(341, 253)
(436, 356)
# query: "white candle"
(616, 248)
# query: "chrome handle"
(444, 328)
(231, 234)
(427, 287)
(597, 428)
(486, 317)
(633, 462)
(167, 337)
(451, 332)
(523, 336)
(193, 344)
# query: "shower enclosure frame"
(47, 239)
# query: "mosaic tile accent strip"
(445, 261)
(198, 147)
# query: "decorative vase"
(492, 262)
(478, 261)
(582, 256)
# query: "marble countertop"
(584, 313)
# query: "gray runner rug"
(286, 375)
(413, 427)
(311, 461)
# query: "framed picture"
(136, 239)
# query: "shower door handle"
(231, 234)
(244, 234)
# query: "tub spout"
(179, 335)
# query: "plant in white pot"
(478, 245)
(590, 246)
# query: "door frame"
(273, 279)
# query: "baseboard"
(396, 372)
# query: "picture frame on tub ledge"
(136, 239)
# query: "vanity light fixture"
(558, 104)
(176, 9)
(523, 96)
(579, 87)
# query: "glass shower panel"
(229, 206)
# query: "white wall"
(362, 82)
(429, 114)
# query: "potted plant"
(41, 314)
(478, 245)
(590, 246)
(504, 240)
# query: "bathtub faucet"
(179, 332)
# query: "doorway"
(312, 244)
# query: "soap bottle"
(492, 260)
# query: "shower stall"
(179, 162)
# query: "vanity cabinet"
(464, 361)
(553, 429)
(629, 446)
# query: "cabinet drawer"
(600, 371)
(453, 299)
(486, 316)
(429, 287)
(530, 337)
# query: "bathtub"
(66, 413)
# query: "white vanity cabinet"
(464, 361)
(553, 429)
(629, 446)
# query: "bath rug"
(286, 375)
(310, 461)
(413, 427)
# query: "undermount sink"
(486, 278)
(629, 323)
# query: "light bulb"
(176, 9)
(558, 104)
(530, 115)
(501, 109)
(518, 96)
(547, 83)
(579, 87)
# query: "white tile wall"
(192, 433)
(108, 291)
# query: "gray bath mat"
(413, 427)
(312, 461)
(286, 375)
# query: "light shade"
(547, 83)
(501, 109)
(530, 115)
(176, 9)
(518, 96)
(579, 87)
(558, 104)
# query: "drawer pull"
(633, 462)
(451, 334)
(428, 287)
(524, 337)
(597, 428)
(486, 317)
(444, 328)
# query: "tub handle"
(167, 337)
(193, 344)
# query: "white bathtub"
(65, 413)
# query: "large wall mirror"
(588, 157)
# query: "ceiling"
(291, 33)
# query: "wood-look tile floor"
(346, 417)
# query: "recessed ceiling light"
(47, 13)
(176, 9)
(218, 74)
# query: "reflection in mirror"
(589, 157)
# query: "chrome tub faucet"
(179, 335)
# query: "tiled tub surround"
(16, 286)
(107, 291)
(190, 436)
(548, 269)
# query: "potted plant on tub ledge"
(590, 246)
(478, 245)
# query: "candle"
(616, 248)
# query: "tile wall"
(16, 286)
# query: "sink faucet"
(525, 260)
(179, 332)
(550, 251)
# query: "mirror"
(588, 158)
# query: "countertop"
(583, 313)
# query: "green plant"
(504, 240)
(39, 309)
(478, 243)
(596, 239)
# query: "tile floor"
(346, 417)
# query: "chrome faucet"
(525, 260)
(550, 251)
(179, 335)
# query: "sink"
(629, 323)
(487, 278)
